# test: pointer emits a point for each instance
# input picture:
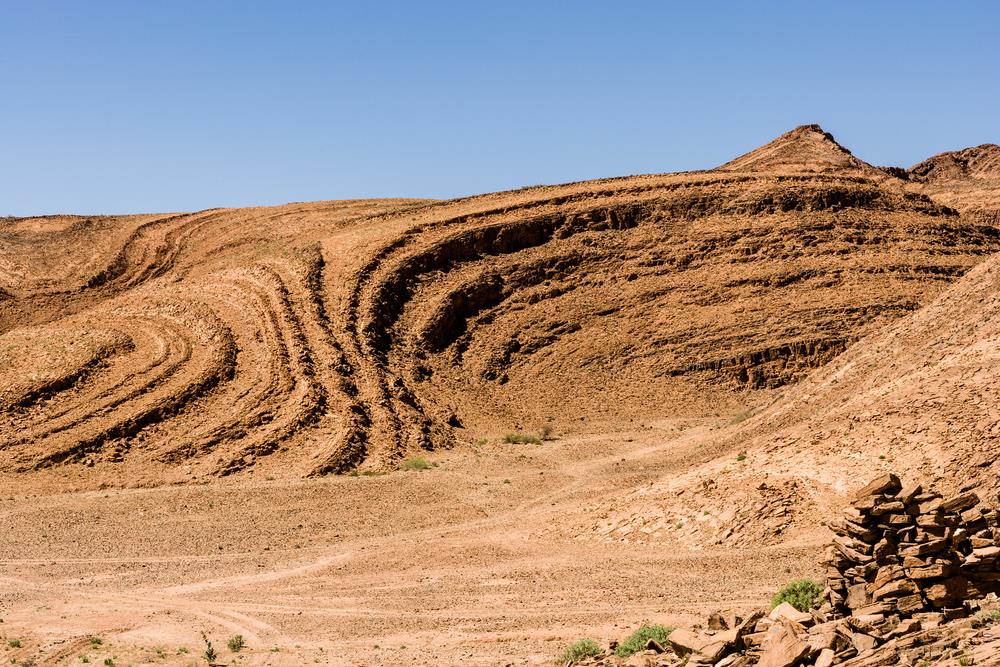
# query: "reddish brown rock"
(782, 647)
(887, 484)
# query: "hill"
(719, 358)
(314, 338)
(968, 180)
(807, 148)
(920, 396)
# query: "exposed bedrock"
(316, 338)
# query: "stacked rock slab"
(901, 553)
(904, 569)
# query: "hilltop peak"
(806, 148)
(981, 161)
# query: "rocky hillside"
(968, 180)
(316, 338)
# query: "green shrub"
(988, 617)
(210, 654)
(415, 463)
(800, 594)
(637, 640)
(578, 650)
(235, 643)
(522, 439)
(14, 643)
(742, 416)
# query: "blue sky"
(114, 107)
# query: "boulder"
(684, 642)
(825, 658)
(961, 502)
(863, 643)
(788, 612)
(885, 485)
(782, 647)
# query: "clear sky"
(131, 106)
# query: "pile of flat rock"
(912, 579)
(903, 554)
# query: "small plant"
(742, 416)
(800, 594)
(545, 432)
(96, 641)
(415, 463)
(209, 653)
(109, 662)
(988, 617)
(84, 658)
(182, 649)
(235, 643)
(638, 639)
(741, 457)
(966, 661)
(14, 643)
(522, 439)
(578, 650)
(678, 525)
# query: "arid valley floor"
(216, 422)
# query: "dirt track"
(483, 559)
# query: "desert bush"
(637, 640)
(14, 643)
(742, 416)
(988, 617)
(235, 643)
(578, 650)
(415, 463)
(209, 653)
(800, 594)
(522, 439)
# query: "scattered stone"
(886, 484)
(717, 622)
(782, 648)
(825, 658)
(788, 612)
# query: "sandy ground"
(472, 562)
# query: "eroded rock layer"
(314, 338)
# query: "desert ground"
(292, 423)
